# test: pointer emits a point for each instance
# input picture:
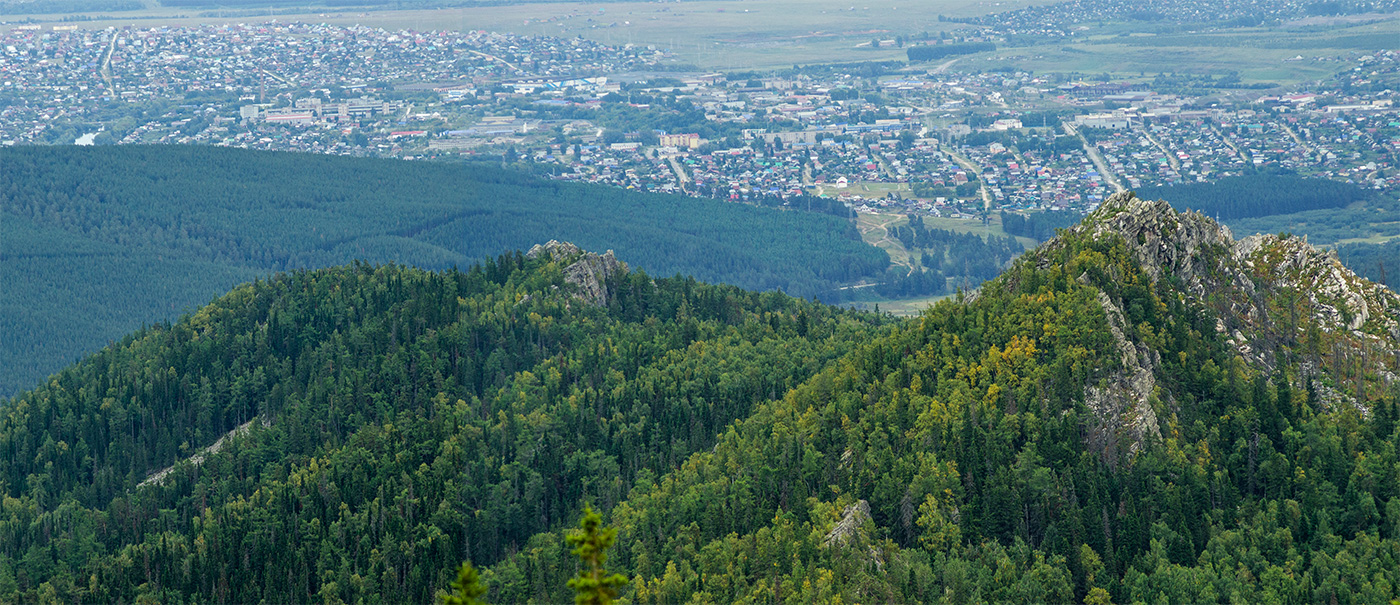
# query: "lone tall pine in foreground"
(1143, 409)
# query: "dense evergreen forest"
(1039, 226)
(96, 242)
(808, 203)
(1255, 195)
(746, 447)
(1376, 262)
(401, 421)
(926, 52)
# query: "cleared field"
(753, 34)
(766, 34)
(908, 307)
(1125, 61)
(1369, 36)
(880, 189)
(865, 189)
(1373, 239)
(874, 229)
(1259, 55)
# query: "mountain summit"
(1248, 276)
(587, 272)
(1285, 308)
(1282, 305)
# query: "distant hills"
(1142, 409)
(96, 242)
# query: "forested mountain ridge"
(435, 417)
(96, 242)
(1140, 410)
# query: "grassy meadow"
(875, 230)
(721, 35)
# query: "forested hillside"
(1110, 421)
(1040, 226)
(96, 242)
(401, 422)
(1375, 262)
(1141, 410)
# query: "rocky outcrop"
(1242, 276)
(852, 519)
(1337, 298)
(587, 272)
(158, 477)
(1187, 246)
(1184, 244)
(847, 533)
(1343, 319)
(1121, 402)
(1264, 294)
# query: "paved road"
(107, 64)
(681, 176)
(1244, 155)
(1304, 144)
(971, 167)
(1096, 158)
(1171, 157)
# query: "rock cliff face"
(849, 532)
(1335, 297)
(587, 271)
(1270, 296)
(1121, 402)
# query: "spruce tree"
(465, 589)
(592, 585)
